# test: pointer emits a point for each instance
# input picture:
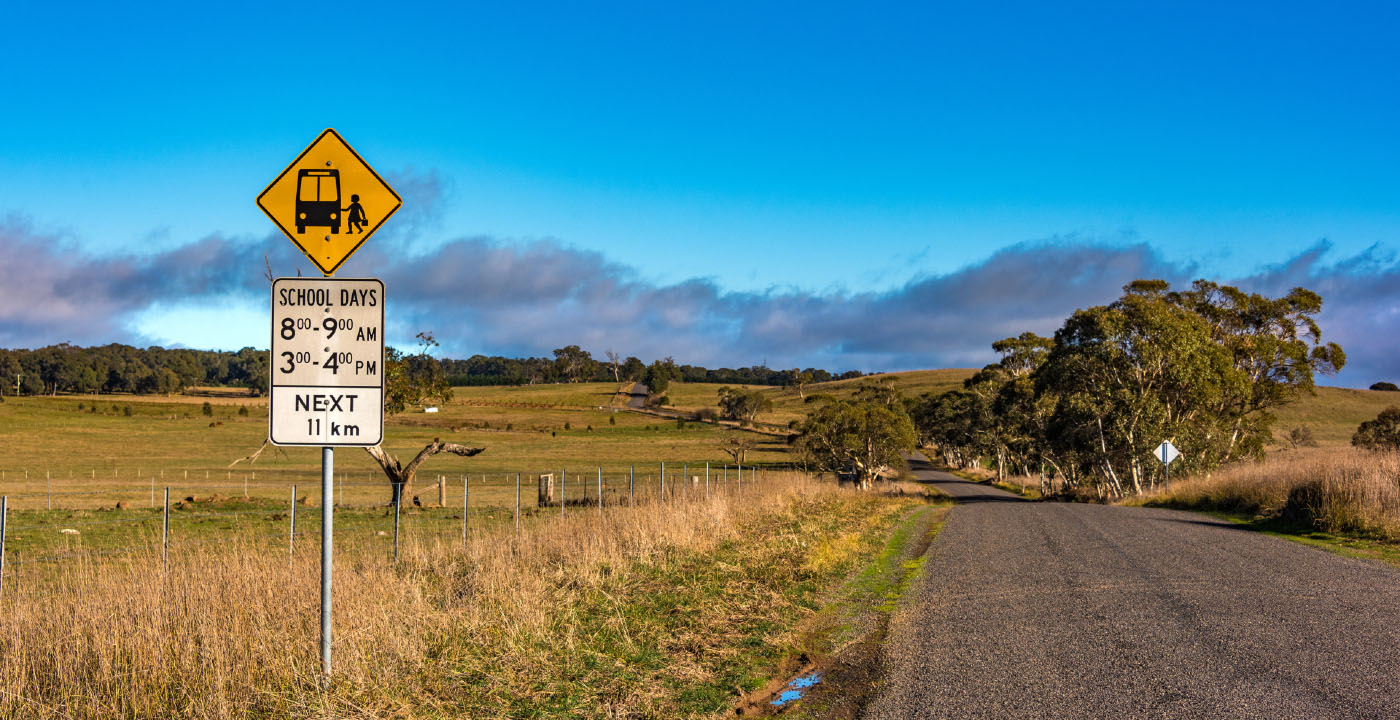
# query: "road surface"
(1059, 610)
(640, 392)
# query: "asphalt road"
(1058, 610)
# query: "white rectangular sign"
(327, 362)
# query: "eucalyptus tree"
(1128, 375)
(743, 404)
(860, 436)
(1276, 346)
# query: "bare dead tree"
(401, 476)
(737, 445)
(615, 360)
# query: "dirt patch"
(850, 677)
(759, 703)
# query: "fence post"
(600, 490)
(707, 480)
(632, 486)
(398, 500)
(517, 502)
(563, 482)
(739, 469)
(466, 502)
(153, 491)
(165, 531)
(4, 512)
(663, 481)
(442, 489)
(292, 534)
(49, 484)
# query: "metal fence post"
(600, 490)
(563, 482)
(4, 513)
(707, 481)
(292, 533)
(739, 469)
(165, 530)
(517, 502)
(398, 500)
(466, 502)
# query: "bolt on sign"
(327, 362)
(329, 201)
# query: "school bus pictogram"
(328, 201)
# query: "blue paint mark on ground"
(796, 688)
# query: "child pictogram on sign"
(355, 221)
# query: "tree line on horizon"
(1203, 368)
(116, 368)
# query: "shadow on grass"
(1291, 529)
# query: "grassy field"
(67, 462)
(675, 610)
(92, 452)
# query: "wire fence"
(57, 523)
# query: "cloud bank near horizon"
(493, 296)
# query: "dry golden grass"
(622, 613)
(1338, 490)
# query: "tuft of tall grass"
(1334, 489)
(230, 629)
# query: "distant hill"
(788, 405)
(1333, 413)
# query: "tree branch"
(388, 462)
(435, 447)
(254, 457)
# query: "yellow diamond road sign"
(329, 201)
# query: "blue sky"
(764, 150)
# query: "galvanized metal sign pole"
(1166, 453)
(327, 356)
(327, 518)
